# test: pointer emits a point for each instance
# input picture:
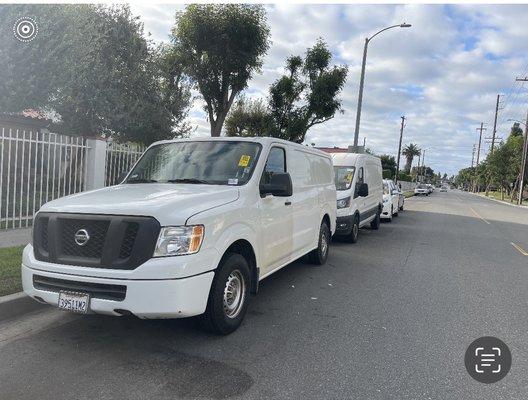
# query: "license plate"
(76, 302)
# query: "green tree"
(220, 47)
(248, 118)
(410, 151)
(307, 95)
(92, 66)
(388, 163)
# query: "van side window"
(361, 177)
(276, 162)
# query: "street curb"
(17, 304)
(500, 201)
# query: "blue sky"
(443, 74)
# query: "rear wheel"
(375, 223)
(319, 255)
(229, 296)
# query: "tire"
(354, 234)
(391, 215)
(226, 310)
(397, 211)
(319, 255)
(375, 223)
(401, 208)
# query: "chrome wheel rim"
(324, 244)
(234, 294)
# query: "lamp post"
(362, 79)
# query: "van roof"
(264, 140)
(345, 159)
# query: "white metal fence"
(36, 167)
(120, 157)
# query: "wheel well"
(326, 219)
(245, 249)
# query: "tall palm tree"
(410, 151)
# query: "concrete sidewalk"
(14, 237)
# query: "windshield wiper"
(186, 180)
(139, 180)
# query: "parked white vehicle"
(359, 192)
(192, 230)
(421, 189)
(391, 200)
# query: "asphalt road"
(389, 317)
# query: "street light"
(362, 80)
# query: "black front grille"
(115, 241)
(94, 247)
(95, 290)
(128, 240)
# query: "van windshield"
(205, 162)
(343, 177)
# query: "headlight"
(385, 200)
(343, 202)
(179, 240)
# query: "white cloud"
(443, 73)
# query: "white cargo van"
(359, 187)
(191, 230)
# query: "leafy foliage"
(92, 66)
(410, 151)
(306, 95)
(219, 47)
(388, 163)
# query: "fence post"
(95, 164)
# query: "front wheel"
(229, 295)
(354, 233)
(391, 214)
(319, 255)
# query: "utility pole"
(523, 162)
(525, 150)
(418, 167)
(399, 148)
(478, 155)
(480, 141)
(495, 124)
(423, 165)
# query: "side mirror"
(280, 185)
(362, 190)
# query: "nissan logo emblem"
(81, 237)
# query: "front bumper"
(163, 298)
(344, 225)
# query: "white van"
(359, 193)
(191, 230)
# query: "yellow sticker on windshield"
(244, 161)
(348, 177)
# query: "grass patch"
(10, 278)
(408, 193)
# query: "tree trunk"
(408, 164)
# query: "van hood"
(170, 204)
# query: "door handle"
(287, 203)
